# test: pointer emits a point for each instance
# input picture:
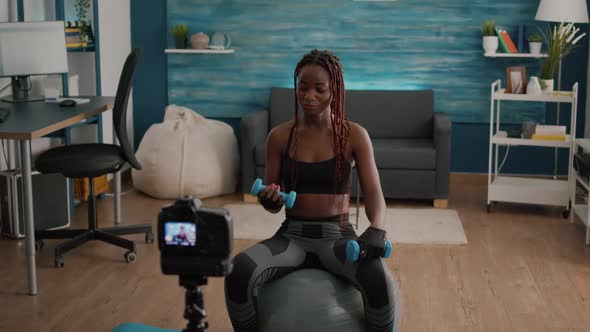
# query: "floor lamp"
(557, 11)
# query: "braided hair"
(340, 125)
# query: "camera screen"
(178, 233)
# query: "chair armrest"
(442, 144)
(253, 131)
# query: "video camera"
(195, 242)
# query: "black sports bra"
(312, 177)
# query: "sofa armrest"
(253, 131)
(442, 144)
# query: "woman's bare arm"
(272, 171)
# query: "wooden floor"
(524, 269)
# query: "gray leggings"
(310, 244)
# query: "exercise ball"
(310, 300)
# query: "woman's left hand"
(373, 238)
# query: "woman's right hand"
(270, 198)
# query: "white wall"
(39, 10)
(5, 9)
(115, 37)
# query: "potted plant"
(490, 40)
(535, 43)
(180, 32)
(561, 40)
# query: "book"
(73, 39)
(503, 45)
(509, 42)
(549, 137)
(550, 130)
(74, 45)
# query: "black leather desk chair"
(90, 161)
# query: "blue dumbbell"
(354, 251)
(289, 198)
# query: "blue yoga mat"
(134, 327)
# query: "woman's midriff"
(319, 206)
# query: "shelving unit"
(200, 51)
(515, 55)
(527, 189)
(93, 61)
(580, 207)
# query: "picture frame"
(516, 80)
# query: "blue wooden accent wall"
(148, 32)
(403, 44)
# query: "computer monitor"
(31, 48)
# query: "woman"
(313, 155)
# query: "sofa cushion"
(281, 106)
(383, 113)
(391, 113)
(260, 154)
(403, 153)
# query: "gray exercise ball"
(310, 300)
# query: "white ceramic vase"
(535, 47)
(490, 44)
(199, 40)
(534, 86)
(220, 41)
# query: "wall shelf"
(515, 55)
(200, 51)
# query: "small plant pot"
(180, 42)
(547, 85)
(535, 47)
(490, 44)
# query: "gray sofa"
(411, 142)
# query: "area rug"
(403, 225)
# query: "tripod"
(194, 309)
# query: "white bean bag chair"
(187, 154)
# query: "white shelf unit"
(580, 208)
(200, 51)
(528, 189)
(515, 55)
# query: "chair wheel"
(39, 244)
(130, 256)
(59, 261)
(149, 237)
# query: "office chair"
(90, 161)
